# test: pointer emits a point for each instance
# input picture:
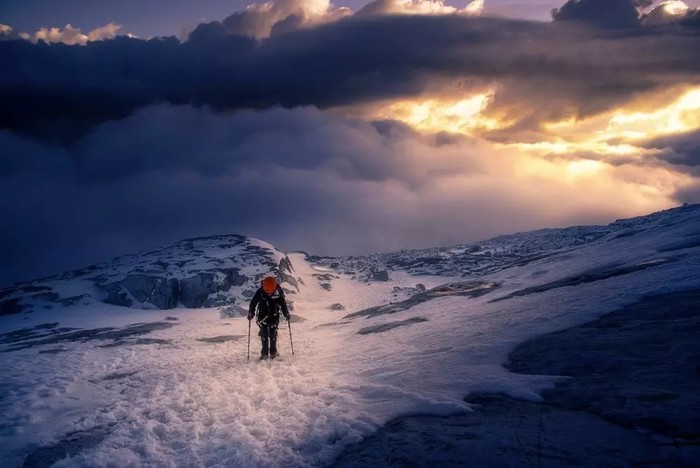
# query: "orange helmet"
(269, 285)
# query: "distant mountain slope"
(202, 272)
(492, 255)
(224, 271)
(86, 385)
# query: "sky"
(150, 18)
(336, 129)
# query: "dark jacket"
(268, 306)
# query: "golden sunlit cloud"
(583, 167)
(615, 133)
(682, 115)
(430, 7)
(464, 116)
(474, 8)
(601, 153)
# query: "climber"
(268, 301)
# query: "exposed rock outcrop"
(381, 275)
(218, 271)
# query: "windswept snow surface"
(185, 394)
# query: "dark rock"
(69, 301)
(233, 311)
(680, 245)
(590, 276)
(233, 278)
(472, 289)
(116, 295)
(502, 432)
(165, 294)
(420, 287)
(326, 286)
(11, 306)
(382, 275)
(138, 341)
(249, 292)
(45, 329)
(632, 373)
(33, 288)
(195, 290)
(140, 286)
(629, 401)
(294, 318)
(390, 326)
(337, 306)
(69, 446)
(119, 375)
(221, 339)
(52, 351)
(159, 292)
(29, 338)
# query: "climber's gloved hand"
(251, 316)
(287, 317)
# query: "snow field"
(192, 403)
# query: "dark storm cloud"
(691, 19)
(300, 179)
(680, 149)
(602, 13)
(58, 92)
(689, 193)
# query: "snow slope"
(174, 388)
(201, 272)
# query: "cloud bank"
(67, 35)
(298, 178)
(58, 92)
(277, 122)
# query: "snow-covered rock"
(496, 254)
(96, 384)
(218, 271)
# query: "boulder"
(161, 293)
(11, 306)
(165, 294)
(233, 277)
(195, 290)
(285, 274)
(381, 275)
(233, 311)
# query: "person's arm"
(253, 304)
(283, 304)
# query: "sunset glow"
(682, 115)
(616, 133)
(461, 115)
(364, 125)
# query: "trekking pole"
(249, 339)
(291, 342)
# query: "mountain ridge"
(223, 270)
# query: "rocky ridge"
(219, 271)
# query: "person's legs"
(273, 340)
(264, 336)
